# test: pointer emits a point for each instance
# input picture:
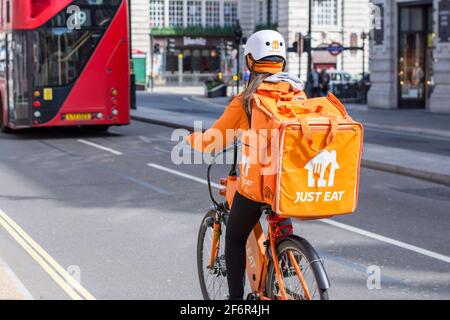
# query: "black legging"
(244, 215)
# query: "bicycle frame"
(260, 249)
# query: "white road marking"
(391, 241)
(336, 224)
(184, 175)
(145, 139)
(72, 287)
(98, 146)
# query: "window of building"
(194, 13)
(176, 13)
(262, 5)
(212, 13)
(325, 12)
(230, 13)
(156, 13)
(59, 53)
(274, 12)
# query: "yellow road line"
(72, 287)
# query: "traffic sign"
(335, 48)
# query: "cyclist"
(265, 53)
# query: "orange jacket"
(233, 119)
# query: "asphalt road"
(128, 230)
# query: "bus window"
(2, 54)
(60, 52)
(18, 80)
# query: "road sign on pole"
(335, 48)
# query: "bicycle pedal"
(252, 296)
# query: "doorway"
(415, 58)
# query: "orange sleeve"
(217, 138)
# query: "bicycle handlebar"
(233, 171)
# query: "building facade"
(140, 21)
(340, 21)
(196, 37)
(411, 55)
(191, 40)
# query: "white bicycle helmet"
(266, 44)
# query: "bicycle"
(280, 265)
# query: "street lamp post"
(364, 36)
(151, 61)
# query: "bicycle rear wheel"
(213, 281)
(296, 255)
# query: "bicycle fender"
(316, 264)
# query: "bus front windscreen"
(63, 46)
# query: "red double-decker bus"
(64, 63)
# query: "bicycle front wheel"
(301, 271)
(213, 281)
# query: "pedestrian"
(324, 82)
(314, 83)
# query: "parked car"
(342, 84)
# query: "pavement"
(418, 124)
(185, 90)
(121, 217)
(11, 288)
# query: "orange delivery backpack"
(306, 155)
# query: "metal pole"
(269, 17)
(364, 71)
(132, 75)
(238, 41)
(343, 33)
(180, 68)
(310, 37)
(238, 68)
(299, 65)
(364, 56)
(151, 62)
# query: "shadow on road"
(59, 133)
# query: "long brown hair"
(255, 80)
